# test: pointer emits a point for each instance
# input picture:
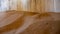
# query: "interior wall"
(32, 5)
(12, 4)
(40, 5)
(57, 5)
(52, 5)
(49, 5)
(25, 5)
(4, 5)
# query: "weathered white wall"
(13, 5)
(57, 5)
(8, 5)
(49, 5)
(24, 5)
(52, 5)
(4, 5)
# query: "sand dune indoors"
(29, 17)
(21, 22)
